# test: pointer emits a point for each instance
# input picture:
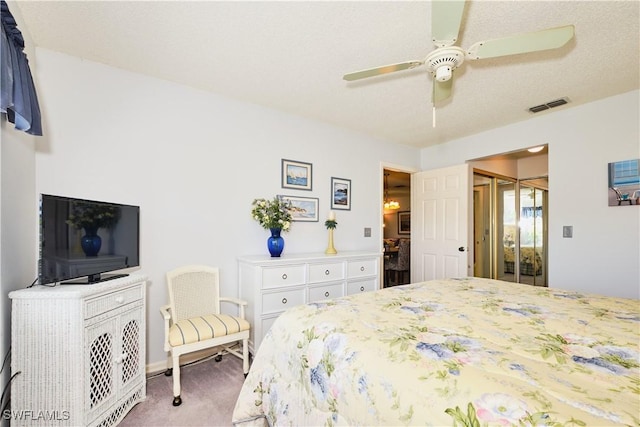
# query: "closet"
(510, 228)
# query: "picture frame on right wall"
(624, 183)
(340, 193)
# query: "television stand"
(78, 353)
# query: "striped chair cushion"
(202, 328)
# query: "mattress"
(467, 351)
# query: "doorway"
(396, 230)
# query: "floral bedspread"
(465, 352)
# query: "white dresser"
(78, 352)
(272, 285)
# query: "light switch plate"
(367, 232)
(567, 231)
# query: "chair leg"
(169, 370)
(245, 357)
(176, 381)
(402, 277)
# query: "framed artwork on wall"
(404, 222)
(624, 183)
(340, 193)
(303, 208)
(297, 175)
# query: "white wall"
(17, 223)
(194, 162)
(17, 214)
(533, 167)
(604, 254)
(528, 167)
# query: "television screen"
(80, 239)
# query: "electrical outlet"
(367, 232)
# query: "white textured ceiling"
(291, 55)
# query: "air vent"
(550, 104)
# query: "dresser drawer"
(361, 268)
(113, 300)
(360, 286)
(326, 272)
(277, 277)
(274, 302)
(266, 324)
(319, 293)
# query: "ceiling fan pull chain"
(434, 116)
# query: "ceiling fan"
(446, 17)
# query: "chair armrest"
(237, 301)
(165, 311)
(240, 302)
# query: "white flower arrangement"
(275, 213)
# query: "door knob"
(461, 248)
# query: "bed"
(465, 352)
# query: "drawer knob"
(284, 276)
(284, 300)
(362, 288)
(327, 272)
(362, 268)
(120, 299)
(326, 294)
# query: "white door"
(440, 223)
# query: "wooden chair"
(400, 265)
(192, 320)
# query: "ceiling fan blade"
(446, 17)
(372, 72)
(551, 38)
(441, 90)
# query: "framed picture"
(303, 208)
(404, 222)
(340, 193)
(624, 183)
(296, 175)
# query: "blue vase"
(91, 242)
(275, 243)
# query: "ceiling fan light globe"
(443, 73)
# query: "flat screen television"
(82, 239)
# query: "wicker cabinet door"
(100, 374)
(130, 360)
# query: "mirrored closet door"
(510, 229)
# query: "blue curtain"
(17, 92)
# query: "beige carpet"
(209, 393)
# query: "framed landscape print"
(297, 175)
(340, 193)
(404, 222)
(303, 208)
